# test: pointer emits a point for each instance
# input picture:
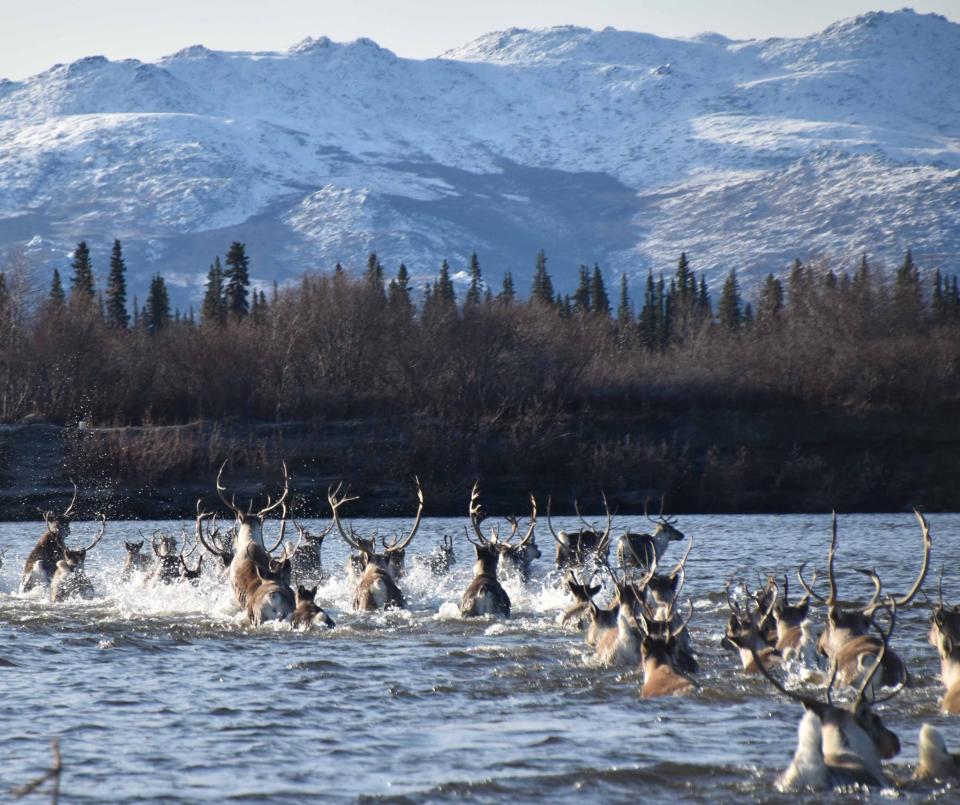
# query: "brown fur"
(45, 555)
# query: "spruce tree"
(157, 310)
(475, 291)
(81, 285)
(729, 310)
(704, 307)
(542, 284)
(237, 280)
(581, 297)
(624, 309)
(907, 288)
(444, 291)
(116, 313)
(599, 301)
(770, 303)
(374, 273)
(213, 310)
(57, 296)
(136, 314)
(398, 294)
(507, 291)
(938, 298)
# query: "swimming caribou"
(42, 561)
(377, 587)
(846, 637)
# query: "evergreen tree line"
(335, 346)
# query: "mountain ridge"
(606, 146)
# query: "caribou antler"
(396, 545)
(103, 530)
(832, 597)
(279, 501)
(808, 588)
(476, 516)
(927, 544)
(221, 491)
(69, 510)
(336, 501)
(283, 526)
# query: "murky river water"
(167, 696)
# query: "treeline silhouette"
(460, 379)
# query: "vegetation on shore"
(576, 389)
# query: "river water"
(166, 695)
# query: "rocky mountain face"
(598, 146)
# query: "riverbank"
(704, 461)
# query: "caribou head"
(659, 648)
(250, 523)
(307, 613)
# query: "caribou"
(662, 674)
(441, 559)
(846, 636)
(70, 579)
(516, 559)
(134, 562)
(936, 762)
(944, 636)
(579, 549)
(852, 741)
(259, 585)
(307, 613)
(485, 594)
(642, 549)
(42, 561)
(578, 614)
(307, 558)
(376, 588)
(792, 623)
(744, 635)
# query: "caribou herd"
(842, 739)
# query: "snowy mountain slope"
(609, 146)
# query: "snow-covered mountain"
(610, 146)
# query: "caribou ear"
(948, 644)
(804, 609)
(592, 591)
(834, 615)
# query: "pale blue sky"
(34, 35)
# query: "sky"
(36, 35)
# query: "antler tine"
(884, 637)
(786, 590)
(832, 598)
(283, 527)
(869, 609)
(416, 523)
(940, 588)
(286, 491)
(533, 523)
(604, 541)
(103, 530)
(69, 510)
(683, 560)
(576, 508)
(925, 566)
(335, 504)
(200, 517)
(731, 601)
(671, 632)
(476, 517)
(221, 491)
(808, 587)
(466, 533)
(646, 510)
(835, 668)
(550, 522)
